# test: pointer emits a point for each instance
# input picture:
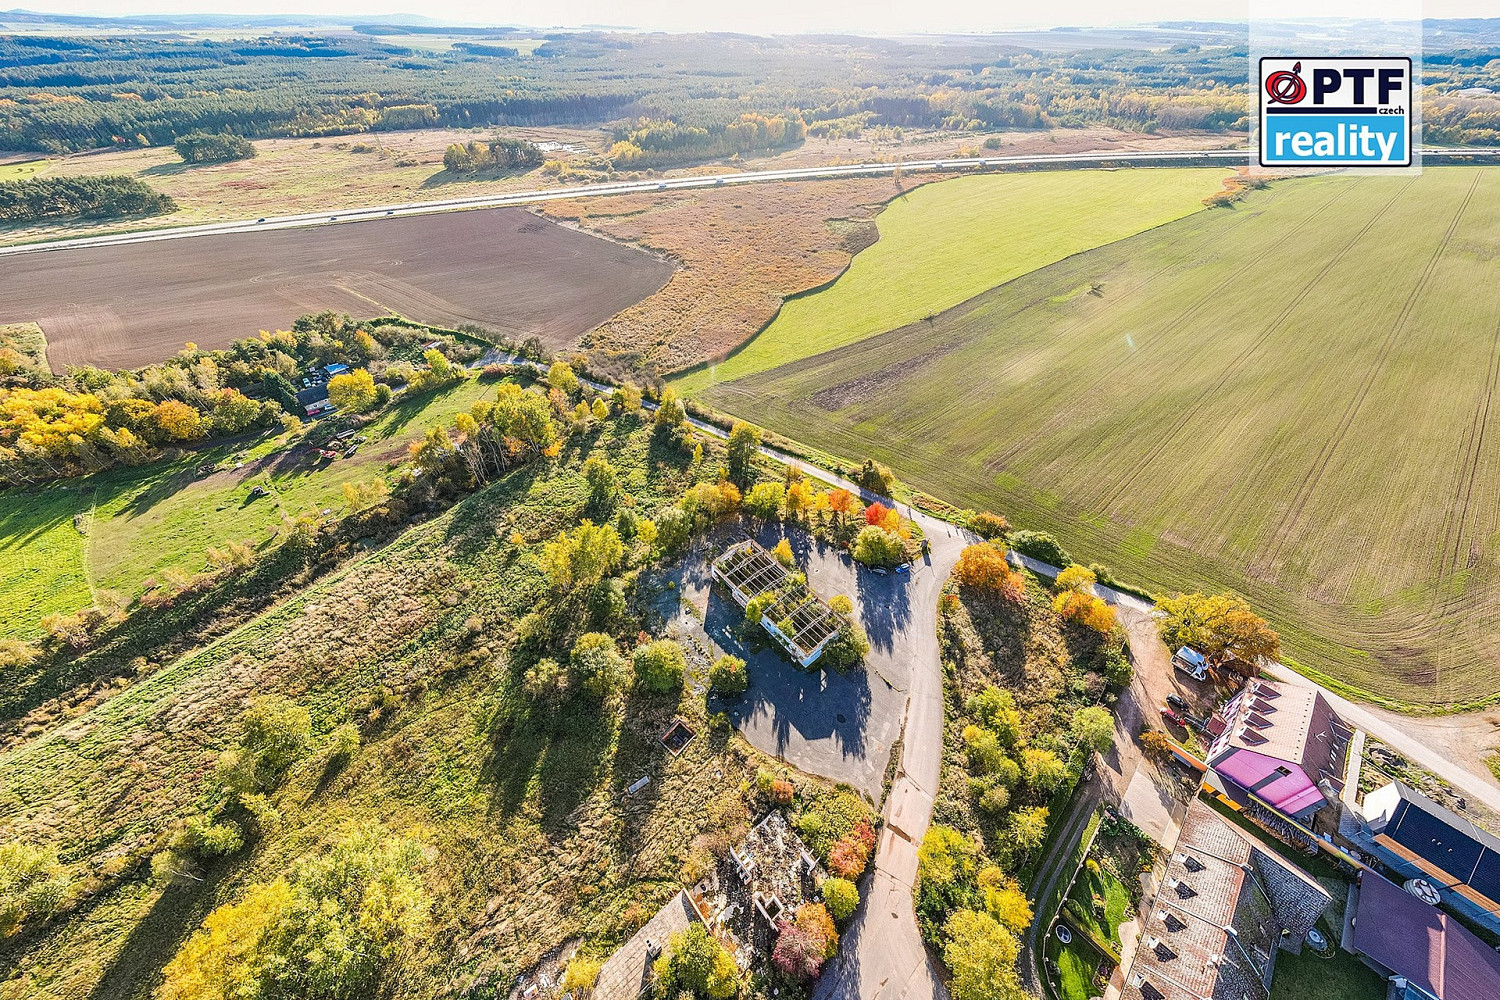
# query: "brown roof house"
(1423, 952)
(1278, 746)
(1225, 905)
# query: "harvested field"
(741, 251)
(505, 269)
(1291, 398)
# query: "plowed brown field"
(503, 268)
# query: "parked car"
(904, 568)
(1177, 701)
(1173, 718)
(1191, 662)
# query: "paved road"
(1172, 157)
(841, 726)
(339, 217)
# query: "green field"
(25, 170)
(115, 529)
(944, 243)
(1290, 398)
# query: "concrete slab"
(1150, 807)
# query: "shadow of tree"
(156, 938)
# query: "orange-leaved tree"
(984, 567)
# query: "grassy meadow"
(115, 529)
(1290, 398)
(943, 243)
(522, 809)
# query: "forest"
(108, 197)
(66, 94)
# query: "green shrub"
(874, 546)
(1040, 545)
(996, 711)
(596, 664)
(660, 666)
(33, 885)
(204, 838)
(841, 897)
(728, 676)
(848, 647)
(984, 750)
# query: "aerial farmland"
(1230, 397)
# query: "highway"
(521, 198)
(1170, 157)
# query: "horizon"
(779, 17)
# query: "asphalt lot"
(839, 726)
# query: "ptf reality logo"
(1346, 112)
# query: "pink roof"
(1288, 794)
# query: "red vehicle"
(1172, 717)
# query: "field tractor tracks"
(1000, 462)
(1190, 413)
(1457, 527)
(1292, 516)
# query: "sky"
(790, 16)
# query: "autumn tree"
(984, 567)
(353, 391)
(604, 484)
(562, 378)
(842, 503)
(743, 446)
(696, 965)
(1219, 625)
(981, 954)
(581, 557)
(1085, 609)
(876, 546)
(326, 931)
(764, 500)
(1094, 727)
(1075, 577)
(840, 896)
(670, 412)
(988, 526)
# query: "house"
(1274, 744)
(1423, 952)
(1191, 662)
(1226, 904)
(330, 371)
(314, 400)
(793, 615)
(1417, 838)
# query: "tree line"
(61, 94)
(92, 418)
(113, 196)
